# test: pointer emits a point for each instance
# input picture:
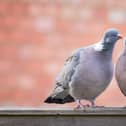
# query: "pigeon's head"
(110, 38)
(108, 41)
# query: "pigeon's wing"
(61, 91)
(68, 70)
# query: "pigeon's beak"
(120, 36)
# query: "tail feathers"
(67, 99)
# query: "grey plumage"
(87, 72)
(61, 91)
(120, 71)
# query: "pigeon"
(120, 71)
(86, 73)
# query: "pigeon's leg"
(93, 103)
(80, 105)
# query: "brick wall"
(37, 35)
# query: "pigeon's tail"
(67, 99)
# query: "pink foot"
(82, 107)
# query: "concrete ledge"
(62, 117)
(62, 111)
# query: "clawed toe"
(81, 107)
(77, 107)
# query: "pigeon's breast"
(120, 73)
(94, 68)
(92, 75)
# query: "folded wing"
(60, 94)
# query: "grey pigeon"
(120, 71)
(86, 72)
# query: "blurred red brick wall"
(37, 35)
